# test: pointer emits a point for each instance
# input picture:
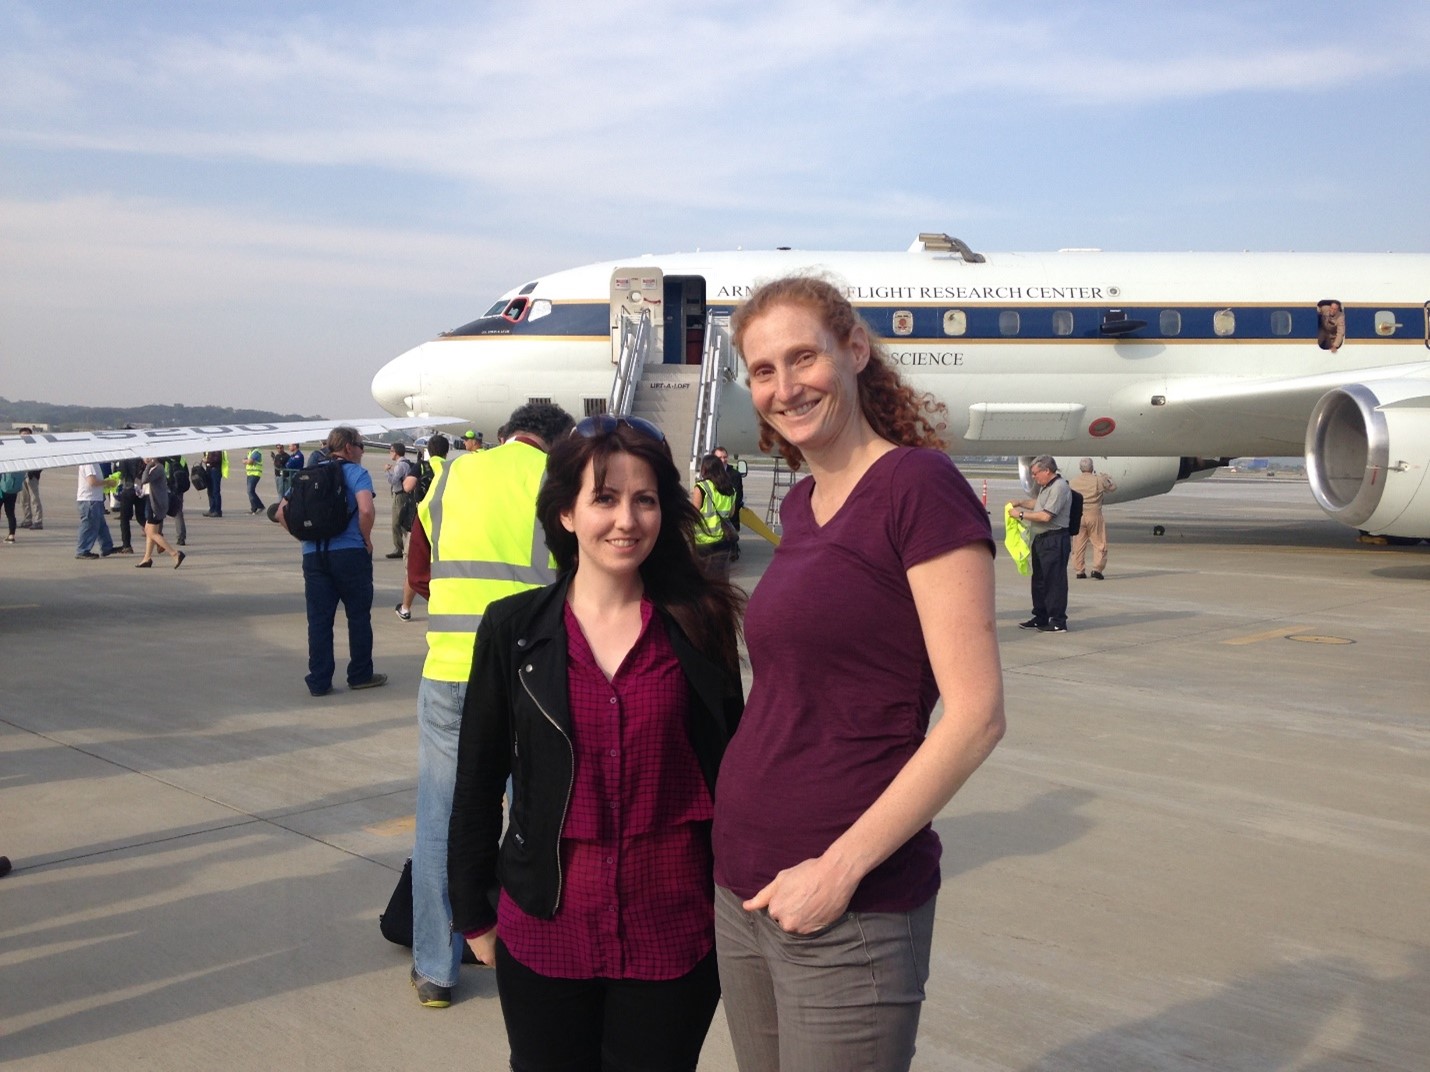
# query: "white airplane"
(47, 450)
(1170, 363)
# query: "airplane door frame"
(634, 291)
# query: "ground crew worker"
(715, 536)
(1091, 486)
(253, 470)
(476, 539)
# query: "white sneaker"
(405, 615)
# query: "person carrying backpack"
(1048, 518)
(334, 522)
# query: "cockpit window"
(539, 308)
(495, 310)
(515, 309)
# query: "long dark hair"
(895, 410)
(715, 471)
(707, 610)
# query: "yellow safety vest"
(713, 507)
(254, 465)
(480, 518)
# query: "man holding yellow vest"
(476, 539)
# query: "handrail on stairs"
(635, 348)
(717, 367)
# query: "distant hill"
(71, 418)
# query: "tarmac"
(1203, 844)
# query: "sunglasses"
(606, 423)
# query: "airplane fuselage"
(1077, 352)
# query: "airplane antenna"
(938, 242)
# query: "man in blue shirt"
(340, 571)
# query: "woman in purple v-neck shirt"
(878, 602)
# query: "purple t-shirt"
(843, 687)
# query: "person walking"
(1092, 486)
(10, 485)
(89, 498)
(153, 492)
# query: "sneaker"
(11, 539)
(124, 549)
(405, 615)
(1050, 628)
(1097, 575)
(208, 513)
(1031, 623)
(394, 554)
(430, 994)
(1083, 576)
(257, 510)
(374, 682)
(86, 554)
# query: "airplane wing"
(47, 450)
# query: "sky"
(257, 204)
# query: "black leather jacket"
(517, 720)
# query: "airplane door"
(634, 291)
(684, 319)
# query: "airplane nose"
(397, 384)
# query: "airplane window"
(1280, 322)
(1170, 322)
(496, 309)
(539, 308)
(1062, 322)
(1385, 322)
(1008, 321)
(1331, 324)
(1224, 322)
(514, 309)
(955, 322)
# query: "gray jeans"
(846, 997)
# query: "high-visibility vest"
(480, 519)
(254, 465)
(713, 506)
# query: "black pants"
(131, 507)
(605, 1025)
(1050, 577)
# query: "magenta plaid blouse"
(637, 892)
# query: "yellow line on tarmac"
(1270, 634)
(747, 517)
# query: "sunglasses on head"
(606, 423)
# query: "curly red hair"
(895, 410)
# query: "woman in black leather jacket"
(608, 697)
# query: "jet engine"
(1367, 451)
(1136, 478)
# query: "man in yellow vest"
(476, 539)
(253, 471)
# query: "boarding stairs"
(683, 400)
